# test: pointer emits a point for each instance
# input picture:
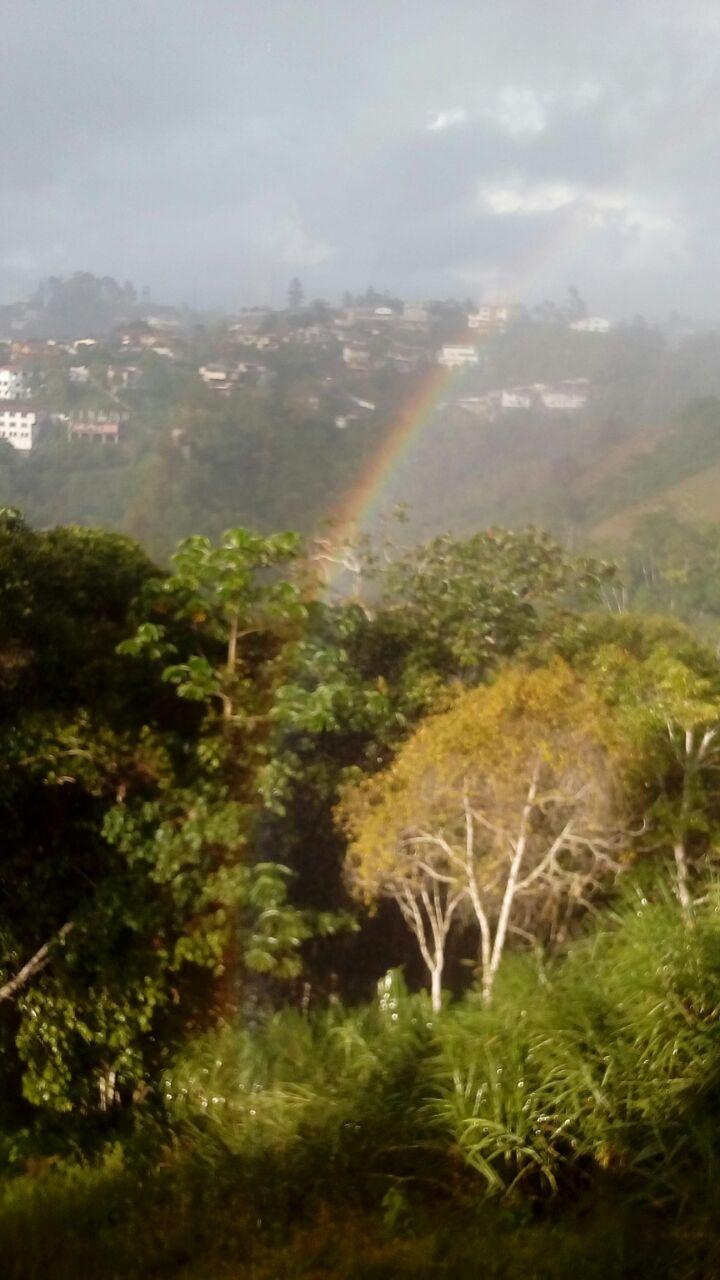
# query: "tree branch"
(34, 965)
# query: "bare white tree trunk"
(431, 930)
(436, 985)
(683, 886)
(476, 897)
(508, 898)
(107, 1091)
(692, 757)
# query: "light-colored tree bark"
(519, 848)
(428, 902)
(589, 860)
(34, 965)
(694, 753)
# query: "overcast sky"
(212, 149)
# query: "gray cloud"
(221, 146)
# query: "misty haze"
(360, 640)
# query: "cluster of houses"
(22, 422)
(344, 347)
(225, 376)
(566, 396)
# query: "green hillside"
(575, 477)
(696, 498)
(269, 453)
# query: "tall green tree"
(129, 890)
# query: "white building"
(80, 374)
(357, 357)
(516, 398)
(488, 317)
(214, 375)
(454, 357)
(165, 323)
(484, 407)
(12, 383)
(18, 425)
(564, 400)
(592, 324)
(569, 395)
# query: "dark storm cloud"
(217, 147)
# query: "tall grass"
(601, 1070)
(609, 1061)
(326, 1104)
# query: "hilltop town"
(159, 420)
(81, 385)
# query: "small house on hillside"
(567, 396)
(592, 324)
(357, 357)
(517, 398)
(488, 317)
(214, 375)
(98, 428)
(457, 357)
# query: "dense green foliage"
(189, 1008)
(125, 816)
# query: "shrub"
(610, 1060)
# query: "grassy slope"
(694, 498)
(614, 461)
(523, 485)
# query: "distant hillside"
(696, 498)
(574, 476)
(613, 462)
(296, 427)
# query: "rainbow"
(364, 500)
(361, 503)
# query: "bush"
(303, 1106)
(608, 1061)
(590, 1085)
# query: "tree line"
(224, 786)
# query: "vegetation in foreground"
(232, 807)
(573, 1123)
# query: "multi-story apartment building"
(18, 424)
(12, 383)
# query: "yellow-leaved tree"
(505, 808)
